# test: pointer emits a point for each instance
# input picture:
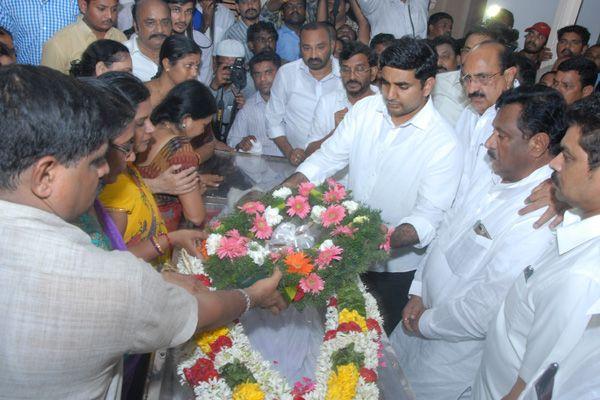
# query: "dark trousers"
(390, 289)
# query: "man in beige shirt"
(70, 310)
(96, 21)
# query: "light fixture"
(492, 10)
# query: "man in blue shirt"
(33, 22)
(294, 15)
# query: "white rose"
(360, 219)
(272, 216)
(257, 253)
(316, 212)
(282, 193)
(350, 205)
(327, 244)
(212, 243)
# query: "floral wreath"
(224, 365)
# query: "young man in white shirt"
(398, 17)
(403, 158)
(249, 130)
(298, 87)
(480, 249)
(546, 311)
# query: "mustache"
(554, 179)
(567, 52)
(442, 69)
(158, 35)
(353, 81)
(315, 60)
(476, 94)
(491, 154)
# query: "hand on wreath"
(265, 294)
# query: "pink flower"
(332, 182)
(274, 256)
(253, 207)
(232, 245)
(305, 188)
(386, 246)
(303, 387)
(261, 229)
(298, 205)
(344, 230)
(326, 256)
(335, 194)
(214, 224)
(333, 215)
(312, 283)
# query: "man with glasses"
(152, 23)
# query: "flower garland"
(224, 365)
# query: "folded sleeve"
(275, 111)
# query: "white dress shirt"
(206, 67)
(250, 120)
(464, 279)
(224, 18)
(409, 172)
(545, 312)
(397, 17)
(294, 97)
(143, 66)
(449, 96)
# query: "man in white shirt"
(215, 16)
(545, 312)
(403, 159)
(249, 130)
(398, 17)
(298, 87)
(152, 23)
(357, 74)
(69, 309)
(480, 249)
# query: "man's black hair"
(437, 17)
(585, 113)
(543, 110)
(350, 49)
(381, 38)
(586, 68)
(46, 113)
(316, 25)
(265, 56)
(261, 26)
(410, 53)
(446, 40)
(582, 31)
(526, 69)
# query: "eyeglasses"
(481, 79)
(126, 149)
(361, 69)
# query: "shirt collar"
(421, 120)
(259, 98)
(536, 177)
(83, 28)
(576, 231)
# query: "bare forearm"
(404, 235)
(206, 151)
(295, 180)
(283, 144)
(146, 250)
(316, 145)
(218, 308)
(516, 390)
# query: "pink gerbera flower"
(232, 245)
(214, 224)
(326, 256)
(333, 215)
(253, 207)
(335, 194)
(303, 387)
(312, 283)
(344, 230)
(386, 246)
(261, 229)
(298, 205)
(305, 188)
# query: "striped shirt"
(239, 32)
(33, 22)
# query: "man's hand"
(188, 239)
(222, 77)
(240, 100)
(546, 54)
(175, 183)
(246, 143)
(296, 179)
(411, 314)
(544, 195)
(211, 180)
(188, 282)
(339, 116)
(264, 293)
(296, 157)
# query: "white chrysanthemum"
(282, 193)
(212, 243)
(350, 205)
(360, 219)
(272, 216)
(327, 244)
(316, 212)
(257, 253)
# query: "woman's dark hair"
(408, 53)
(543, 110)
(174, 48)
(189, 98)
(130, 87)
(103, 50)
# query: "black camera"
(238, 73)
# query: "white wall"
(589, 14)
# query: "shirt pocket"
(467, 252)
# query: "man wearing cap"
(535, 43)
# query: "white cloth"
(449, 96)
(473, 130)
(464, 279)
(143, 66)
(323, 121)
(545, 312)
(409, 172)
(392, 16)
(294, 97)
(125, 19)
(250, 120)
(206, 67)
(224, 18)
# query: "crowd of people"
(483, 157)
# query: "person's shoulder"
(120, 194)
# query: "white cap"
(230, 48)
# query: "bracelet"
(156, 246)
(246, 298)
(166, 235)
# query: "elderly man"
(403, 159)
(152, 23)
(297, 89)
(547, 310)
(96, 21)
(479, 249)
(69, 309)
(575, 78)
